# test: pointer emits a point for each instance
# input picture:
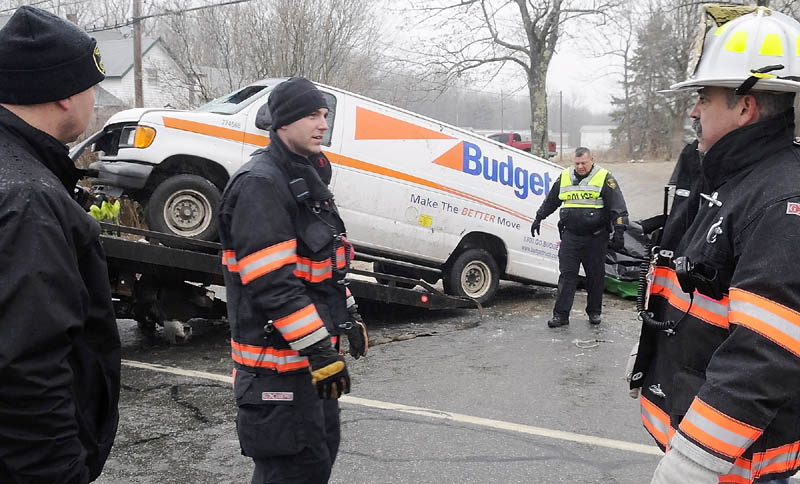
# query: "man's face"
(304, 136)
(78, 115)
(713, 118)
(583, 164)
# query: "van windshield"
(233, 102)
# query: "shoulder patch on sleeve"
(612, 184)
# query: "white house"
(163, 81)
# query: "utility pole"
(501, 112)
(137, 54)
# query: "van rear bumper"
(123, 174)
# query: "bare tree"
(330, 41)
(478, 35)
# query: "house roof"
(115, 50)
(103, 98)
(117, 54)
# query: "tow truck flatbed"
(152, 282)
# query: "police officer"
(592, 202)
(719, 343)
(59, 346)
(286, 256)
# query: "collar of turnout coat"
(744, 147)
(312, 170)
(47, 150)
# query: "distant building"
(558, 138)
(596, 137)
(163, 81)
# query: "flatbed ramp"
(152, 282)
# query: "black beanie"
(45, 58)
(292, 99)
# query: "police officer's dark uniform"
(591, 204)
(286, 257)
(59, 346)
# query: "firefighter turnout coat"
(59, 345)
(722, 387)
(285, 255)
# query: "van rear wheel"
(474, 274)
(185, 205)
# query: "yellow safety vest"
(586, 194)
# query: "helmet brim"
(768, 85)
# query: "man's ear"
(749, 111)
(64, 104)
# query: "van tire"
(184, 205)
(474, 274)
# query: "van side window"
(517, 137)
(331, 100)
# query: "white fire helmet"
(757, 50)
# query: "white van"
(410, 189)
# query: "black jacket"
(688, 183)
(725, 381)
(585, 221)
(59, 345)
(286, 257)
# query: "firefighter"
(59, 345)
(592, 202)
(719, 346)
(286, 256)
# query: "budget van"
(431, 200)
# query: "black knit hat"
(292, 99)
(45, 58)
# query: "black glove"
(536, 227)
(83, 196)
(328, 370)
(356, 332)
(617, 240)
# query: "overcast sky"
(583, 79)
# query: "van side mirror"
(263, 118)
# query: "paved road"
(495, 398)
(492, 393)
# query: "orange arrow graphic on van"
(452, 158)
(372, 125)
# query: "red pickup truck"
(515, 140)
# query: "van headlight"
(136, 137)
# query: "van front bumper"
(122, 174)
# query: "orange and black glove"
(328, 370)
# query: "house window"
(152, 74)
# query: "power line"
(164, 14)
(44, 1)
(176, 12)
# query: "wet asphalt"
(502, 364)
(491, 391)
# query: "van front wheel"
(475, 274)
(185, 205)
